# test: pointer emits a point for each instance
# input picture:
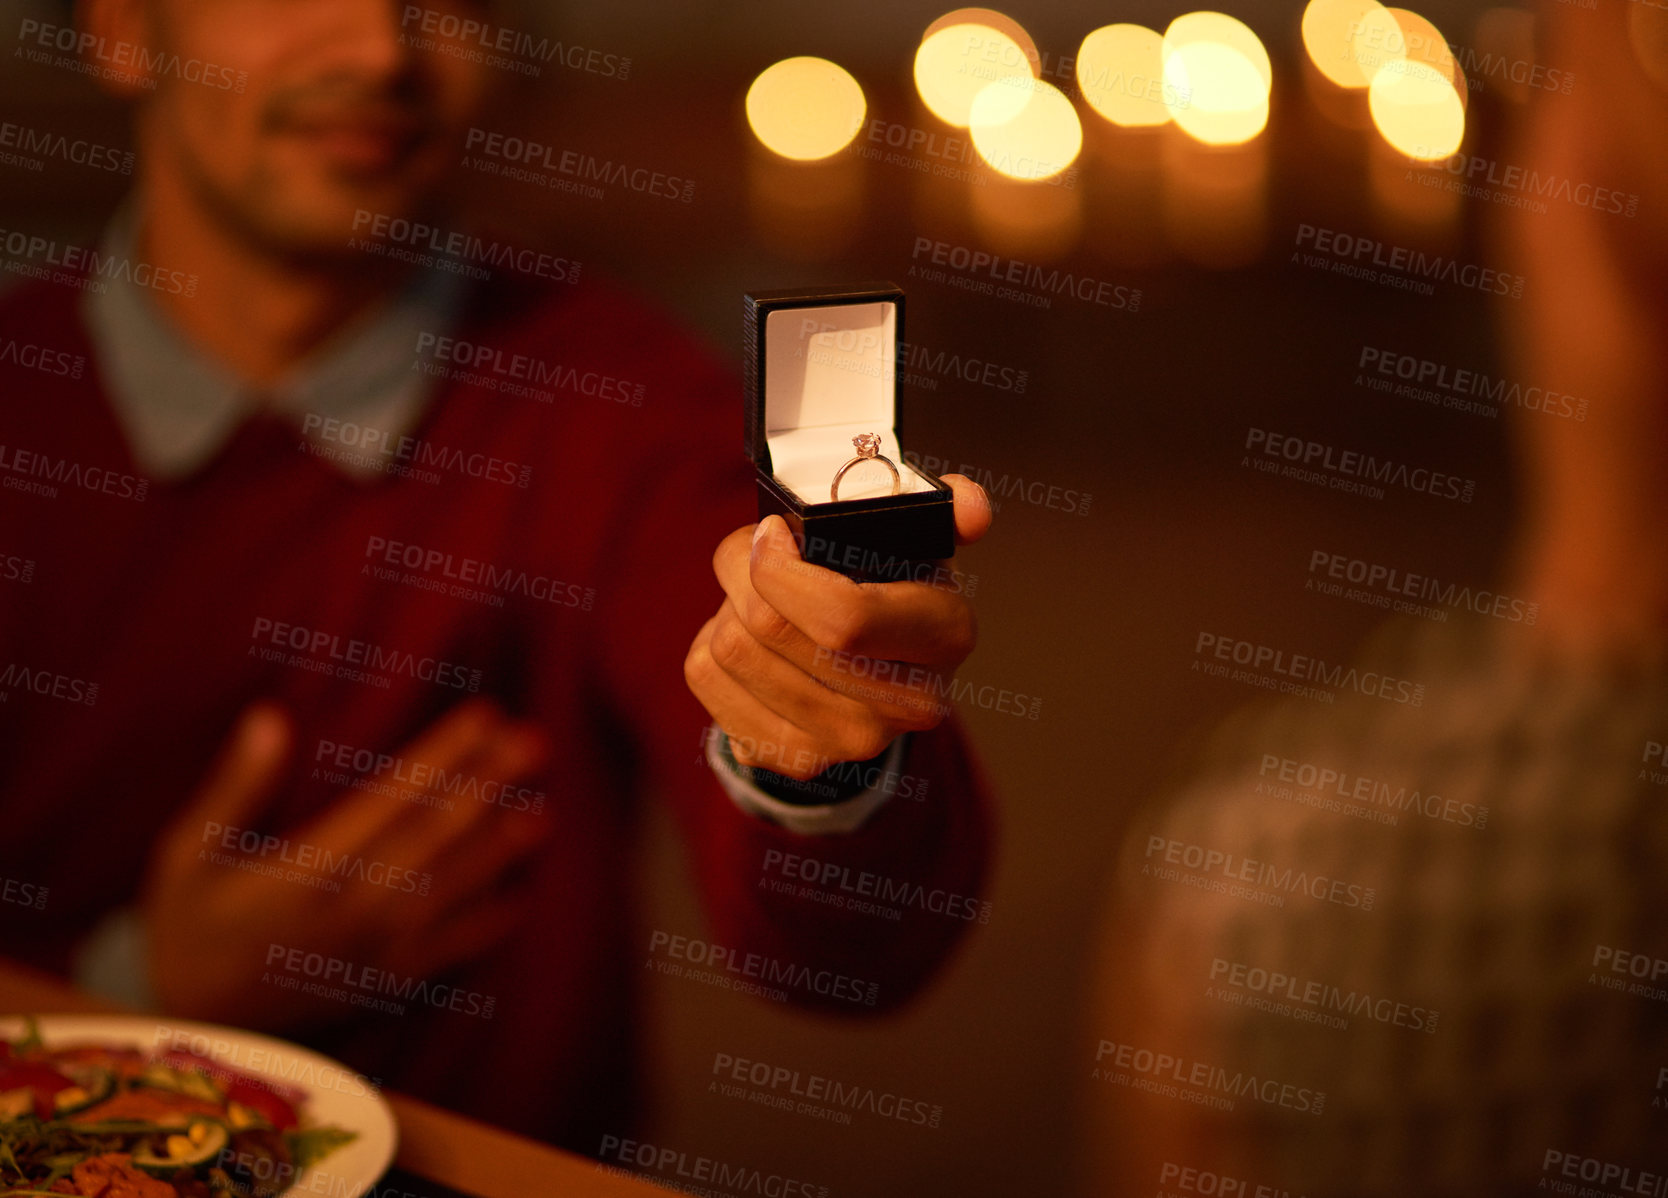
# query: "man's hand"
(804, 668)
(420, 891)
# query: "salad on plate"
(104, 1120)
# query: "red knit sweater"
(168, 597)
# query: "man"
(336, 677)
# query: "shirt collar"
(177, 408)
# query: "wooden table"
(459, 1153)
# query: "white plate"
(335, 1093)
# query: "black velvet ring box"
(823, 367)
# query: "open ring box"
(822, 367)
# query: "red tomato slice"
(44, 1080)
(153, 1106)
(263, 1101)
(273, 1101)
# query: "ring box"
(822, 367)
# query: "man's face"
(345, 105)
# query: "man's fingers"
(972, 508)
(908, 692)
(512, 753)
(760, 737)
(447, 747)
(786, 689)
(904, 621)
(240, 780)
(732, 564)
(480, 861)
(435, 855)
(828, 689)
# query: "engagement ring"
(868, 449)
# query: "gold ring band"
(868, 450)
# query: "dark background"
(1095, 613)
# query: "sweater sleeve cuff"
(794, 807)
(112, 962)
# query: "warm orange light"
(1426, 44)
(957, 62)
(1217, 77)
(1330, 31)
(1036, 142)
(1376, 39)
(1120, 70)
(991, 19)
(1022, 220)
(805, 108)
(1417, 110)
(1217, 28)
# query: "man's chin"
(344, 225)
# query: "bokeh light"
(1424, 43)
(956, 63)
(1417, 110)
(1219, 29)
(1035, 142)
(1218, 76)
(991, 19)
(1330, 29)
(1375, 40)
(805, 108)
(1120, 71)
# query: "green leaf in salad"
(311, 1145)
(61, 1171)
